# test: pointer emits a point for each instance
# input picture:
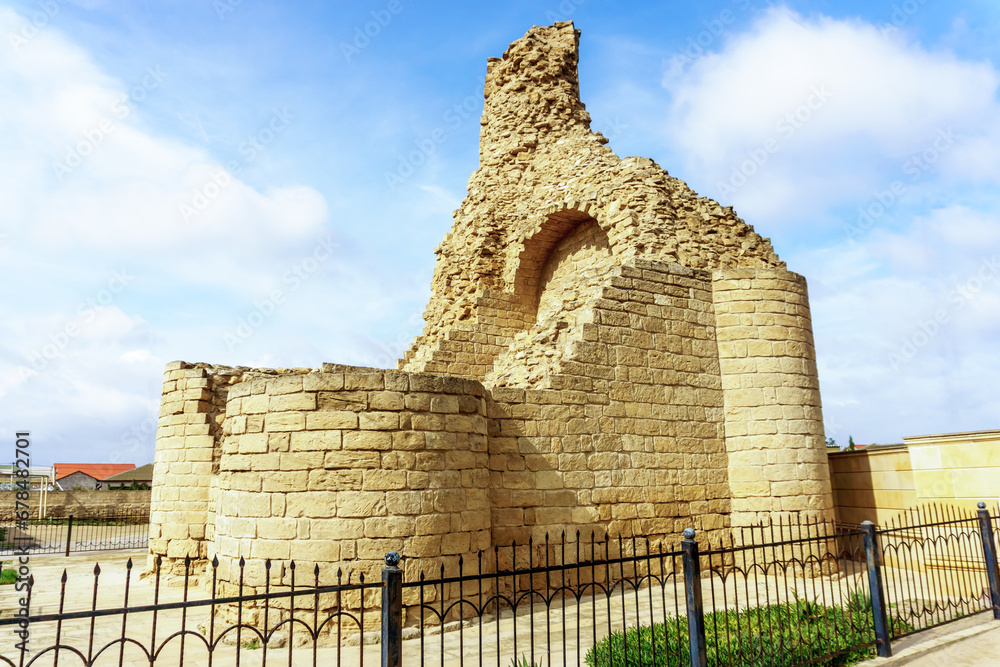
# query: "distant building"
(86, 475)
(40, 477)
(141, 477)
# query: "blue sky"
(263, 184)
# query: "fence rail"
(540, 603)
(791, 593)
(788, 593)
(937, 571)
(96, 532)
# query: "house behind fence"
(85, 476)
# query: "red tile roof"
(98, 471)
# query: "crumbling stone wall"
(537, 152)
(188, 450)
(604, 351)
(186, 463)
(638, 435)
(581, 254)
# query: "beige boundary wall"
(955, 469)
(872, 484)
(80, 504)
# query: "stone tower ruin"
(604, 351)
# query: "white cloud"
(136, 356)
(905, 302)
(76, 390)
(83, 174)
(88, 190)
(833, 109)
(906, 325)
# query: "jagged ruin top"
(539, 159)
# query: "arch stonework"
(667, 381)
(578, 257)
(535, 250)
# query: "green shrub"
(776, 635)
(860, 602)
(523, 661)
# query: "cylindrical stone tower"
(773, 417)
(338, 467)
(187, 456)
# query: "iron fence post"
(69, 533)
(883, 640)
(392, 612)
(695, 606)
(990, 552)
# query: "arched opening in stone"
(560, 262)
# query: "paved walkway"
(981, 650)
(572, 631)
(969, 642)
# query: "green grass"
(7, 577)
(778, 635)
(859, 601)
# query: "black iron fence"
(935, 567)
(791, 593)
(95, 532)
(788, 593)
(544, 603)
